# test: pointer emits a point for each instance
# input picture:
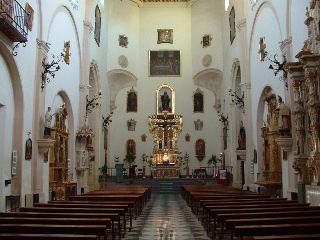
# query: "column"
(297, 81)
(39, 168)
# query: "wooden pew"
(69, 216)
(98, 230)
(37, 236)
(277, 229)
(116, 204)
(289, 237)
(90, 205)
(232, 223)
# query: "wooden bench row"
(252, 216)
(88, 219)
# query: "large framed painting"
(164, 63)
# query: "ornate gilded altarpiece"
(165, 127)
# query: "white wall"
(141, 27)
(6, 129)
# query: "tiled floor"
(167, 217)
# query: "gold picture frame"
(164, 63)
(206, 40)
(171, 96)
(165, 36)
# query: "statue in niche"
(47, 123)
(242, 137)
(165, 102)
(200, 149)
(284, 118)
(132, 101)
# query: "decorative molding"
(285, 45)
(87, 24)
(44, 46)
(210, 79)
(241, 24)
(207, 60)
(123, 61)
(118, 80)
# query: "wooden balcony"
(13, 20)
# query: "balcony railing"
(13, 20)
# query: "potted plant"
(213, 160)
(103, 170)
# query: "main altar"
(165, 127)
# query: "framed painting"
(132, 100)
(123, 41)
(165, 36)
(198, 101)
(28, 150)
(164, 63)
(206, 40)
(165, 99)
(232, 24)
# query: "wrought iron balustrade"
(13, 20)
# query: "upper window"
(226, 4)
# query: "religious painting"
(187, 137)
(28, 152)
(131, 124)
(123, 41)
(164, 63)
(97, 28)
(14, 158)
(132, 100)
(165, 99)
(198, 125)
(206, 40)
(143, 137)
(30, 14)
(198, 101)
(165, 36)
(232, 24)
(200, 149)
(131, 147)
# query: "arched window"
(226, 4)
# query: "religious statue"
(165, 102)
(242, 137)
(47, 123)
(284, 118)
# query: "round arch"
(119, 79)
(18, 117)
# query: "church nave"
(167, 217)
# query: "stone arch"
(95, 123)
(18, 117)
(262, 6)
(267, 90)
(67, 11)
(210, 79)
(71, 128)
(119, 79)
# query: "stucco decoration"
(118, 80)
(210, 79)
(123, 61)
(207, 60)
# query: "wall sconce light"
(50, 68)
(275, 64)
(92, 103)
(7, 182)
(106, 121)
(236, 99)
(223, 119)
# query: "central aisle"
(167, 217)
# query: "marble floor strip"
(167, 217)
